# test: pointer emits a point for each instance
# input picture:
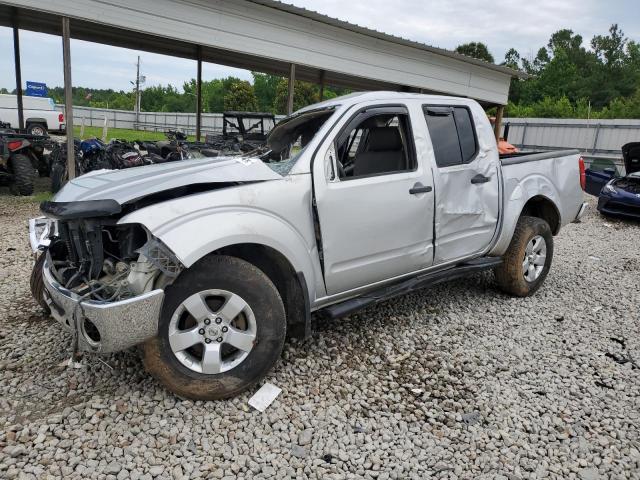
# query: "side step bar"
(414, 283)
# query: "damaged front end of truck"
(103, 278)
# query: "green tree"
(304, 93)
(264, 86)
(240, 96)
(476, 50)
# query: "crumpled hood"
(138, 182)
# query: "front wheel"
(221, 330)
(528, 258)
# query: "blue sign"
(36, 89)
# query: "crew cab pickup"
(209, 263)
(40, 115)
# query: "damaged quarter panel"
(276, 214)
(553, 177)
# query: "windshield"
(290, 138)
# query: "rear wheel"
(37, 129)
(528, 259)
(221, 330)
(23, 173)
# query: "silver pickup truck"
(210, 263)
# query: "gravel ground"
(455, 382)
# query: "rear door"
(374, 200)
(467, 183)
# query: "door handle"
(419, 188)
(479, 178)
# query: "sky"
(523, 24)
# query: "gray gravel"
(456, 382)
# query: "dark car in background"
(618, 195)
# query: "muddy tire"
(222, 328)
(23, 173)
(36, 283)
(528, 258)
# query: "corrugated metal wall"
(595, 138)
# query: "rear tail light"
(61, 117)
(583, 175)
(14, 145)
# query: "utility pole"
(138, 92)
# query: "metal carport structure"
(262, 35)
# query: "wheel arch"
(544, 208)
(36, 120)
(291, 284)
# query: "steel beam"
(322, 80)
(68, 96)
(16, 57)
(498, 125)
(199, 95)
(292, 80)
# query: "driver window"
(375, 145)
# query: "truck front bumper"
(104, 327)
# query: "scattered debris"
(559, 318)
(603, 385)
(597, 309)
(359, 429)
(327, 458)
(264, 396)
(621, 341)
(618, 358)
(471, 418)
(594, 258)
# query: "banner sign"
(36, 89)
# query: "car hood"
(631, 156)
(134, 183)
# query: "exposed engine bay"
(100, 260)
(630, 183)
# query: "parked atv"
(21, 158)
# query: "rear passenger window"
(452, 135)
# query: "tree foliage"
(240, 96)
(569, 79)
(476, 50)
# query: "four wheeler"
(21, 158)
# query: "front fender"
(517, 194)
(194, 235)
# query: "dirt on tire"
(509, 275)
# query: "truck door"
(467, 183)
(374, 201)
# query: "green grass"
(121, 133)
(37, 197)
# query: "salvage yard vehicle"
(242, 131)
(22, 158)
(618, 196)
(209, 264)
(40, 114)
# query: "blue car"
(618, 196)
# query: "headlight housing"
(609, 188)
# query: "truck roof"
(382, 95)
